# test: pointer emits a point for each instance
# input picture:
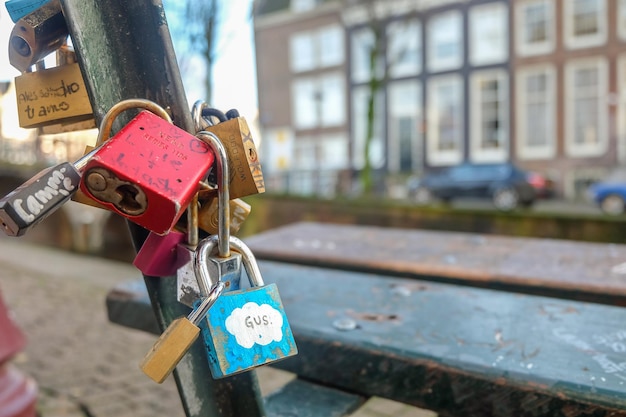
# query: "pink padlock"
(158, 255)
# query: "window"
(277, 149)
(585, 106)
(489, 116)
(445, 120)
(488, 33)
(360, 98)
(322, 48)
(404, 130)
(535, 111)
(585, 23)
(304, 5)
(445, 47)
(363, 42)
(333, 152)
(305, 154)
(330, 46)
(321, 152)
(535, 23)
(404, 50)
(302, 48)
(318, 102)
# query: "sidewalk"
(84, 365)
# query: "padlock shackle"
(223, 194)
(205, 250)
(118, 108)
(201, 114)
(207, 302)
(109, 118)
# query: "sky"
(234, 71)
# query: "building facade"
(536, 82)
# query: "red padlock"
(18, 393)
(148, 172)
(12, 340)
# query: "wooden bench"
(556, 268)
(364, 330)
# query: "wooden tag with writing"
(246, 177)
(51, 96)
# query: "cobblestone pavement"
(84, 365)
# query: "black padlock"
(39, 197)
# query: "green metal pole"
(125, 51)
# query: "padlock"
(247, 328)
(36, 35)
(246, 176)
(44, 193)
(148, 172)
(166, 255)
(20, 8)
(208, 214)
(157, 256)
(177, 339)
(227, 267)
(53, 96)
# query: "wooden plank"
(455, 350)
(557, 268)
(305, 399)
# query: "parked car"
(610, 194)
(505, 184)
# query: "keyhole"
(20, 46)
(129, 203)
(252, 154)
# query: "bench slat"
(305, 399)
(455, 350)
(556, 268)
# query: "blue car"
(506, 185)
(610, 194)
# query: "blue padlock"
(246, 328)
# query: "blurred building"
(537, 82)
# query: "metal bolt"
(96, 181)
(345, 324)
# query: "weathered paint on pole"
(125, 51)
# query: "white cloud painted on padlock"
(255, 323)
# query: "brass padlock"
(36, 35)
(66, 56)
(54, 95)
(176, 340)
(246, 176)
(208, 214)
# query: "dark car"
(505, 184)
(610, 194)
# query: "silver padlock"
(246, 328)
(226, 266)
